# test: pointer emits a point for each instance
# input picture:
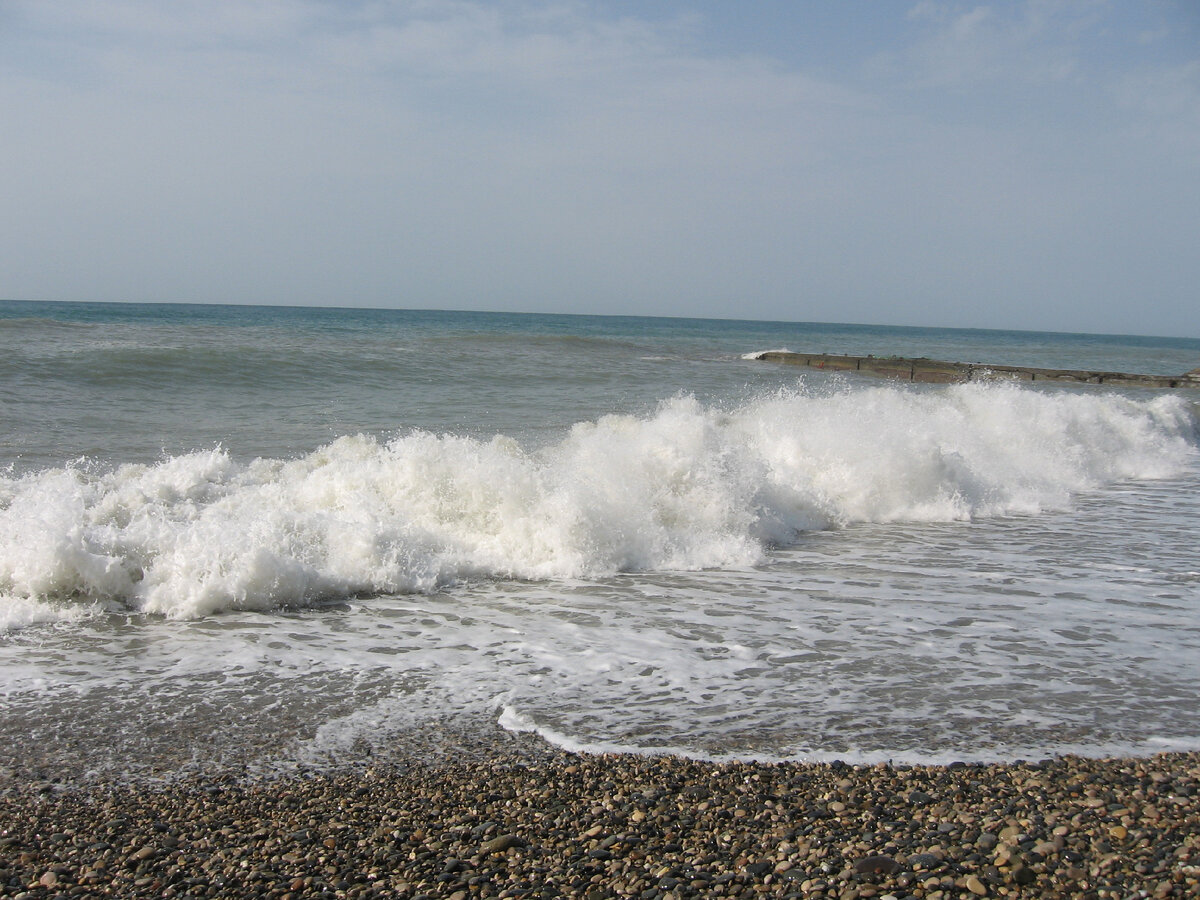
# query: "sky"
(1028, 165)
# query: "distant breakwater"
(939, 371)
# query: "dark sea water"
(295, 535)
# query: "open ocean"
(284, 536)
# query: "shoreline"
(505, 822)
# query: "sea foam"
(687, 487)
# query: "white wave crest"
(689, 487)
(759, 354)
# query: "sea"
(283, 539)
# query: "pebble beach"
(511, 822)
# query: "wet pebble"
(500, 824)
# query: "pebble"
(504, 824)
(975, 886)
(502, 843)
(877, 864)
(924, 861)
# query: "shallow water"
(297, 537)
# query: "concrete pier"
(937, 371)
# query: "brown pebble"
(502, 843)
(877, 864)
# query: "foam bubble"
(688, 487)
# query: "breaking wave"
(688, 487)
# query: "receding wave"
(688, 487)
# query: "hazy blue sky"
(1006, 164)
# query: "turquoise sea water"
(324, 529)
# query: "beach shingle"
(620, 826)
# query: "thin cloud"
(961, 46)
(526, 155)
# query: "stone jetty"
(939, 371)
